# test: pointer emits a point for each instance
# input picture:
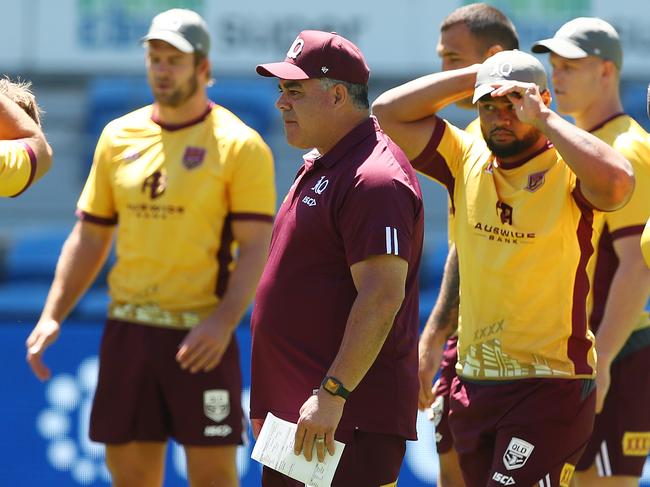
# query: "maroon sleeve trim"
(252, 217)
(431, 163)
(32, 171)
(432, 146)
(627, 231)
(99, 220)
(581, 199)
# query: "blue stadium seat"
(22, 302)
(32, 256)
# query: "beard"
(515, 147)
(180, 95)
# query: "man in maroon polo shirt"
(335, 323)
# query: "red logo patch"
(193, 157)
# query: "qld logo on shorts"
(216, 404)
(517, 453)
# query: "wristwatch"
(334, 387)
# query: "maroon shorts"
(369, 460)
(524, 432)
(444, 440)
(144, 395)
(620, 442)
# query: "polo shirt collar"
(354, 137)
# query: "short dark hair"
(486, 23)
(358, 92)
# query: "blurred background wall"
(87, 67)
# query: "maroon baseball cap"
(317, 54)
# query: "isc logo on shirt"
(309, 201)
(517, 453)
(503, 479)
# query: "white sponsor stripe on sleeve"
(396, 241)
(389, 242)
(607, 466)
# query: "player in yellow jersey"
(522, 406)
(25, 155)
(179, 183)
(468, 35)
(587, 52)
(645, 237)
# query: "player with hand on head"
(522, 404)
(587, 52)
(181, 184)
(25, 155)
(468, 35)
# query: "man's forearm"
(443, 320)
(625, 304)
(444, 315)
(371, 319)
(425, 96)
(80, 260)
(606, 177)
(16, 124)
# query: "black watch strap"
(335, 387)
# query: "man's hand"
(430, 352)
(525, 98)
(319, 418)
(42, 336)
(204, 346)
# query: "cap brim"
(482, 90)
(283, 70)
(561, 47)
(172, 38)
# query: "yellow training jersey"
(525, 235)
(174, 191)
(474, 129)
(17, 167)
(626, 136)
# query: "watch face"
(331, 386)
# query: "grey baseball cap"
(508, 66)
(184, 29)
(582, 37)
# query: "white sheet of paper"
(274, 448)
